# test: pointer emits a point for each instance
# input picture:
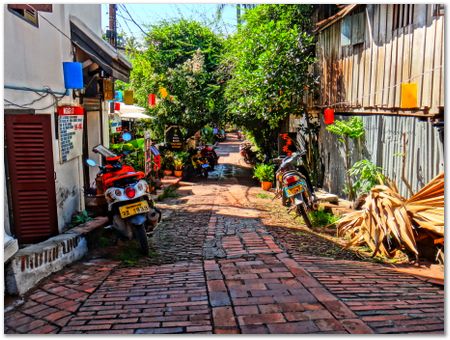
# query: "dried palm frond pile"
(388, 222)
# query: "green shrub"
(264, 172)
(80, 218)
(367, 176)
(321, 218)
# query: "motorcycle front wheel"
(302, 212)
(141, 236)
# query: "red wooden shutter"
(31, 175)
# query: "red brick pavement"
(50, 307)
(247, 282)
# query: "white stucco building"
(45, 176)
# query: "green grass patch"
(169, 192)
(321, 218)
(104, 242)
(129, 255)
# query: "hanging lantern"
(128, 97)
(73, 75)
(118, 96)
(152, 100)
(163, 92)
(328, 116)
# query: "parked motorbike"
(221, 136)
(200, 164)
(130, 206)
(208, 151)
(239, 135)
(294, 186)
(245, 149)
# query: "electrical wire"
(132, 19)
(56, 100)
(350, 103)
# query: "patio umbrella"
(131, 112)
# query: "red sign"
(116, 106)
(70, 110)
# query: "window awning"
(110, 60)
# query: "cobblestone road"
(218, 269)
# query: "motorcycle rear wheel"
(302, 212)
(141, 236)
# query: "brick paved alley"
(217, 268)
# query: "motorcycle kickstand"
(276, 196)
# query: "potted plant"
(265, 174)
(178, 165)
(167, 163)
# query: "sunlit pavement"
(219, 269)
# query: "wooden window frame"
(20, 10)
(351, 22)
(21, 13)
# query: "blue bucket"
(73, 75)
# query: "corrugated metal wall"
(383, 145)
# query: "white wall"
(33, 57)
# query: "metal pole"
(113, 25)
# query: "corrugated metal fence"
(383, 145)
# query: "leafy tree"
(346, 130)
(267, 62)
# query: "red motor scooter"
(130, 206)
(208, 151)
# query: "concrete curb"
(33, 263)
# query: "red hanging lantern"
(151, 99)
(116, 106)
(328, 116)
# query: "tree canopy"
(179, 64)
(267, 61)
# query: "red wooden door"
(28, 141)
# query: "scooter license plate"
(134, 209)
(205, 165)
(294, 189)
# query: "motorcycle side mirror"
(90, 162)
(126, 136)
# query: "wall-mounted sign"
(108, 93)
(116, 123)
(174, 138)
(70, 132)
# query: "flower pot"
(266, 185)
(167, 172)
(178, 173)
